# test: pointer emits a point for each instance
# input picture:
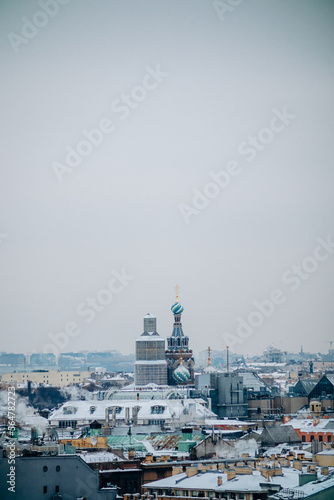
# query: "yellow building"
(51, 377)
(88, 442)
(325, 458)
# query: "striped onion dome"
(181, 374)
(177, 308)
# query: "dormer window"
(117, 409)
(158, 409)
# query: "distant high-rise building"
(150, 365)
(72, 360)
(273, 355)
(43, 359)
(180, 362)
(12, 359)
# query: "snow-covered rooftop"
(228, 422)
(145, 337)
(151, 362)
(242, 482)
(312, 425)
(95, 410)
(101, 457)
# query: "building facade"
(161, 412)
(231, 397)
(150, 365)
(55, 378)
(54, 477)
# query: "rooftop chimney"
(191, 471)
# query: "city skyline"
(324, 350)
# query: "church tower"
(180, 362)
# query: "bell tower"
(180, 362)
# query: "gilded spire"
(177, 288)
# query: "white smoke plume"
(235, 449)
(25, 414)
(74, 393)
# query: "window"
(320, 438)
(156, 422)
(45, 469)
(303, 438)
(58, 468)
(329, 438)
(45, 489)
(57, 488)
(68, 423)
(312, 437)
(157, 409)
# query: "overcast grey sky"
(181, 88)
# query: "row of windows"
(67, 423)
(45, 468)
(149, 369)
(199, 494)
(45, 489)
(118, 409)
(47, 376)
(156, 422)
(320, 438)
(157, 409)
